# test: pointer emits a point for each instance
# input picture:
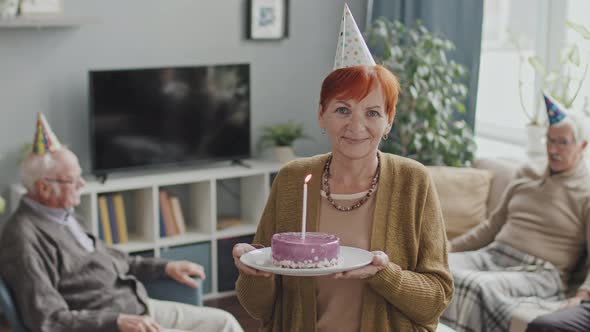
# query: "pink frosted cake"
(316, 251)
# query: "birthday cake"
(317, 250)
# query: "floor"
(229, 303)
(232, 305)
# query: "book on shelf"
(227, 222)
(162, 227)
(178, 215)
(161, 222)
(100, 228)
(168, 216)
(121, 218)
(112, 219)
(105, 222)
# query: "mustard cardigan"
(408, 295)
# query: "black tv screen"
(168, 116)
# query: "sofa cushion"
(463, 193)
(504, 171)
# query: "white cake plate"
(352, 258)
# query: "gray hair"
(36, 167)
(578, 123)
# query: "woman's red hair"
(356, 83)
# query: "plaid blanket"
(491, 282)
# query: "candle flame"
(307, 178)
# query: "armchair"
(163, 289)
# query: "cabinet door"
(228, 273)
(199, 253)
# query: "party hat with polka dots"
(555, 112)
(45, 140)
(351, 50)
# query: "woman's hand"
(380, 261)
(237, 252)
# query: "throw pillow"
(504, 171)
(463, 194)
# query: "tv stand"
(240, 163)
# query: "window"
(499, 112)
(540, 29)
(577, 12)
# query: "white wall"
(45, 70)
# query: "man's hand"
(380, 261)
(580, 296)
(134, 323)
(182, 271)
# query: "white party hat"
(352, 49)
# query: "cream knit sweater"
(409, 295)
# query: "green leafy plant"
(432, 92)
(564, 81)
(282, 134)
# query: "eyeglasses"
(77, 180)
(560, 143)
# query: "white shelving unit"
(46, 21)
(200, 204)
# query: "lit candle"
(304, 216)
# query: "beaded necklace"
(326, 184)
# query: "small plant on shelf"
(282, 136)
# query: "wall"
(45, 69)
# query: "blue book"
(100, 230)
(113, 219)
(162, 228)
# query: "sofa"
(468, 196)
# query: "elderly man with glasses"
(64, 279)
(527, 249)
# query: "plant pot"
(535, 145)
(284, 153)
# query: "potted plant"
(432, 93)
(282, 136)
(563, 83)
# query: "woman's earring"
(323, 131)
(385, 137)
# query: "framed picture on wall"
(268, 19)
(41, 7)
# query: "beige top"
(339, 301)
(543, 215)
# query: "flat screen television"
(168, 116)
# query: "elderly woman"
(371, 200)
